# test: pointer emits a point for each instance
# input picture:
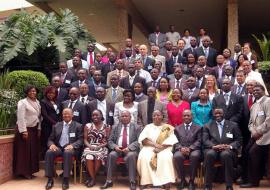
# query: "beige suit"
(142, 112)
(109, 75)
(260, 120)
(119, 95)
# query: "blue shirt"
(202, 114)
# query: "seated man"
(221, 139)
(188, 147)
(65, 140)
(123, 142)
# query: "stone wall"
(6, 158)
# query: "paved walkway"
(38, 183)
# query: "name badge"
(57, 111)
(76, 113)
(261, 113)
(229, 135)
(150, 67)
(110, 113)
(67, 81)
(71, 134)
(252, 61)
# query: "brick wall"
(6, 158)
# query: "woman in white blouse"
(26, 158)
(127, 104)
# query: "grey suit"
(131, 157)
(141, 98)
(191, 139)
(143, 113)
(75, 139)
(194, 96)
(119, 95)
(161, 39)
(231, 135)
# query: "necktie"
(220, 129)
(226, 97)
(250, 101)
(119, 73)
(190, 93)
(187, 127)
(71, 104)
(124, 137)
(138, 72)
(113, 94)
(91, 58)
(174, 59)
(64, 139)
(177, 84)
(153, 83)
(239, 89)
(206, 52)
(82, 99)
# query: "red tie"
(250, 101)
(124, 138)
(91, 58)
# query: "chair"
(59, 160)
(199, 179)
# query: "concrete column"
(122, 27)
(233, 24)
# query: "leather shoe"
(229, 188)
(91, 183)
(65, 185)
(132, 186)
(107, 185)
(49, 184)
(207, 188)
(191, 186)
(183, 184)
(249, 185)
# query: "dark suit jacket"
(49, 114)
(74, 127)
(233, 111)
(202, 84)
(92, 105)
(211, 135)
(220, 81)
(215, 71)
(193, 140)
(62, 95)
(212, 54)
(169, 63)
(79, 111)
(70, 77)
(73, 73)
(243, 91)
(92, 89)
(194, 97)
(134, 132)
(106, 69)
(124, 82)
(142, 98)
(76, 83)
(188, 51)
(149, 64)
(182, 84)
(84, 56)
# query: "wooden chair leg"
(75, 171)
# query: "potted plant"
(264, 65)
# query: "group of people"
(155, 111)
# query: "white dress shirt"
(101, 105)
(146, 75)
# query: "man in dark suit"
(191, 94)
(200, 77)
(240, 87)
(82, 78)
(66, 77)
(207, 51)
(188, 147)
(228, 74)
(107, 108)
(148, 63)
(157, 38)
(65, 140)
(89, 56)
(110, 66)
(129, 81)
(146, 108)
(178, 81)
(76, 61)
(202, 62)
(219, 70)
(78, 108)
(222, 140)
(128, 44)
(97, 82)
(62, 93)
(155, 78)
(123, 142)
(98, 63)
(231, 103)
(127, 57)
(175, 58)
(191, 49)
(84, 91)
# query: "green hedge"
(20, 79)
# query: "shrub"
(20, 79)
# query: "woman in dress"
(164, 91)
(202, 109)
(155, 160)
(240, 59)
(127, 104)
(176, 107)
(50, 114)
(26, 159)
(95, 141)
(211, 86)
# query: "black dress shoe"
(183, 184)
(49, 184)
(91, 183)
(249, 185)
(191, 186)
(229, 188)
(132, 186)
(207, 188)
(65, 184)
(107, 185)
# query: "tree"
(31, 38)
